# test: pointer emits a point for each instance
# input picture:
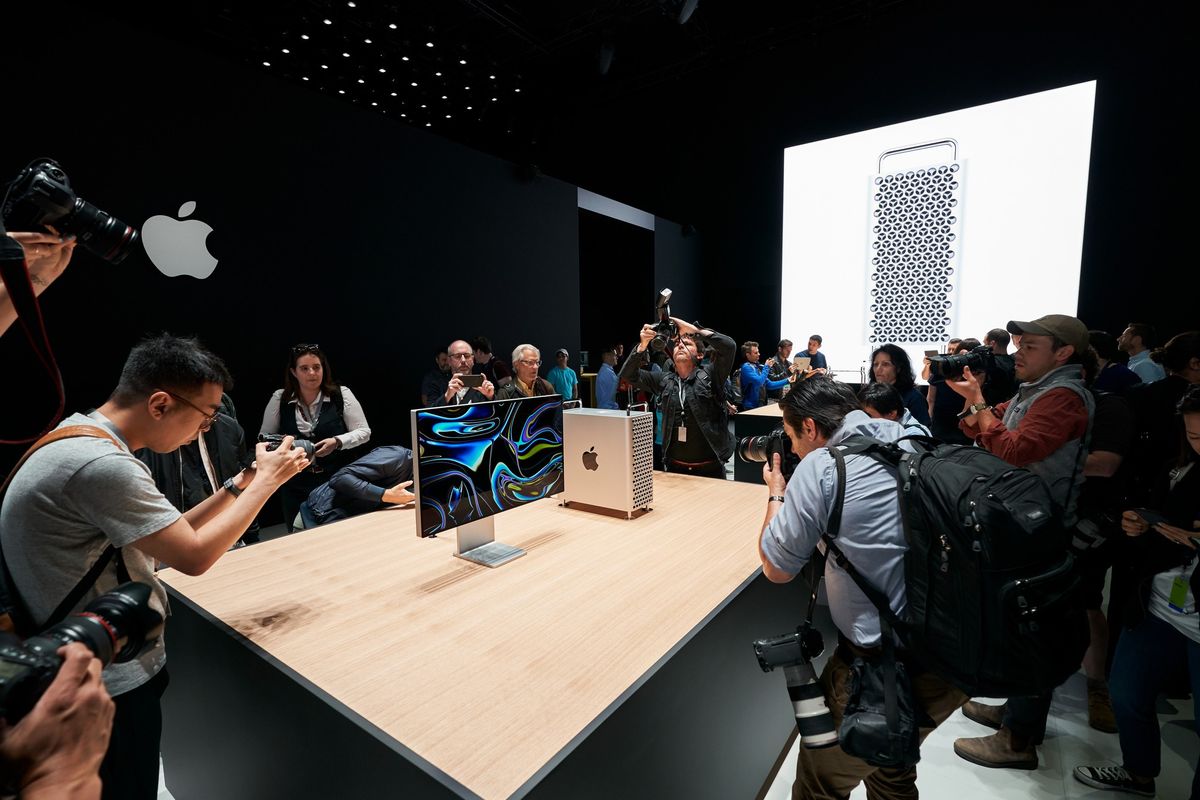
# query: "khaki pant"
(831, 774)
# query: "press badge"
(681, 437)
(1179, 591)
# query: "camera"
(116, 627)
(979, 360)
(795, 652)
(41, 195)
(759, 449)
(666, 331)
(273, 441)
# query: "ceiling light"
(494, 99)
(341, 91)
(414, 83)
(492, 77)
(516, 90)
(468, 107)
(443, 96)
(447, 116)
(403, 114)
(438, 74)
(374, 103)
(427, 124)
(266, 63)
(423, 105)
(462, 61)
(324, 66)
(347, 55)
(304, 36)
(366, 41)
(327, 22)
(304, 78)
(404, 58)
(392, 26)
(466, 88)
(350, 4)
(360, 80)
(429, 44)
(286, 50)
(393, 94)
(381, 69)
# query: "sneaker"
(991, 716)
(1114, 779)
(1100, 710)
(996, 751)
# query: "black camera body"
(116, 627)
(979, 359)
(800, 647)
(665, 330)
(760, 449)
(41, 196)
(274, 440)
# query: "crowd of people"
(164, 471)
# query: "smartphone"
(801, 362)
(1151, 516)
(931, 353)
(472, 381)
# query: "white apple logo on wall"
(177, 246)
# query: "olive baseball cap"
(1066, 329)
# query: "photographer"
(74, 499)
(54, 753)
(696, 437)
(462, 365)
(818, 413)
(46, 258)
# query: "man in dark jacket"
(691, 396)
(380, 478)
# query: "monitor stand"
(477, 543)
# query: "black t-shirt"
(696, 449)
(1114, 429)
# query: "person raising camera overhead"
(696, 438)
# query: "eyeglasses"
(208, 420)
(461, 356)
(531, 362)
(301, 349)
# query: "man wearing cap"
(1045, 428)
(563, 378)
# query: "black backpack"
(993, 599)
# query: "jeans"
(1148, 658)
(130, 767)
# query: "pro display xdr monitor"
(475, 461)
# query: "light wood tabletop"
(488, 673)
(768, 410)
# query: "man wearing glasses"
(462, 362)
(526, 359)
(74, 498)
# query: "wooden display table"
(356, 660)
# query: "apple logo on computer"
(177, 246)
(589, 459)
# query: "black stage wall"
(715, 158)
(332, 224)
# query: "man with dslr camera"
(691, 397)
(78, 501)
(820, 413)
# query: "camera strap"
(14, 615)
(15, 275)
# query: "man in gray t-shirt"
(72, 498)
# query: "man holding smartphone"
(464, 386)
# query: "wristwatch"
(973, 409)
(230, 485)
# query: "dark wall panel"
(332, 225)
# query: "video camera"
(666, 330)
(116, 627)
(979, 359)
(41, 195)
(759, 449)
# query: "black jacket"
(180, 474)
(541, 386)
(472, 396)
(703, 392)
(358, 487)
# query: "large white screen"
(1018, 234)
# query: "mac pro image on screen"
(475, 461)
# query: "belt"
(693, 464)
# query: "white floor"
(942, 775)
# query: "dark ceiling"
(503, 76)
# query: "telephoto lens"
(116, 627)
(814, 721)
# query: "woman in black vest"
(311, 406)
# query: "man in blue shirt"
(816, 359)
(754, 378)
(1136, 340)
(606, 381)
(563, 378)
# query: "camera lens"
(99, 232)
